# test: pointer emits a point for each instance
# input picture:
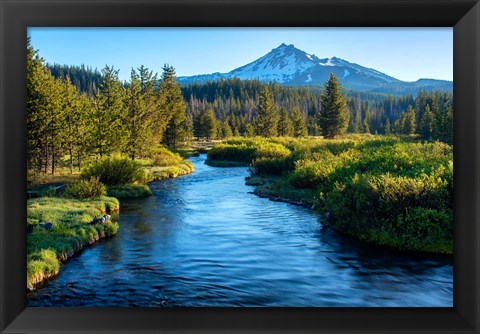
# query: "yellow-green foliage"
(161, 173)
(70, 218)
(382, 189)
(129, 191)
(167, 164)
(117, 170)
(271, 158)
(243, 152)
(163, 157)
(43, 262)
(83, 189)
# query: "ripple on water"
(204, 240)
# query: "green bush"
(164, 158)
(234, 152)
(407, 213)
(313, 172)
(114, 171)
(129, 191)
(83, 189)
(271, 158)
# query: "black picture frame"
(463, 15)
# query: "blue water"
(205, 240)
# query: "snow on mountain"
(281, 64)
(291, 66)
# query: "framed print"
(318, 189)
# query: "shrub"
(313, 172)
(129, 191)
(83, 189)
(114, 171)
(235, 152)
(271, 158)
(165, 158)
(407, 213)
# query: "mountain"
(290, 66)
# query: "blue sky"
(405, 53)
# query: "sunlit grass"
(129, 191)
(71, 231)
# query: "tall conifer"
(267, 118)
(334, 116)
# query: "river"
(205, 240)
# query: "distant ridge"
(291, 66)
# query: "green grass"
(129, 191)
(387, 190)
(71, 216)
(162, 173)
(71, 231)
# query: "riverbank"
(59, 228)
(60, 212)
(271, 254)
(385, 190)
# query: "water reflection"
(205, 240)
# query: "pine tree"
(426, 123)
(74, 115)
(299, 124)
(141, 104)
(36, 126)
(267, 118)
(388, 129)
(44, 115)
(81, 131)
(334, 114)
(409, 121)
(108, 114)
(249, 130)
(226, 129)
(365, 126)
(438, 124)
(208, 125)
(173, 108)
(285, 125)
(448, 110)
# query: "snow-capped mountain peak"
(282, 64)
(288, 65)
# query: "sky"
(407, 54)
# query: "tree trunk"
(71, 147)
(45, 170)
(71, 158)
(79, 160)
(53, 159)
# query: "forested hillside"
(234, 101)
(83, 78)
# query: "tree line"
(65, 124)
(99, 115)
(234, 104)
